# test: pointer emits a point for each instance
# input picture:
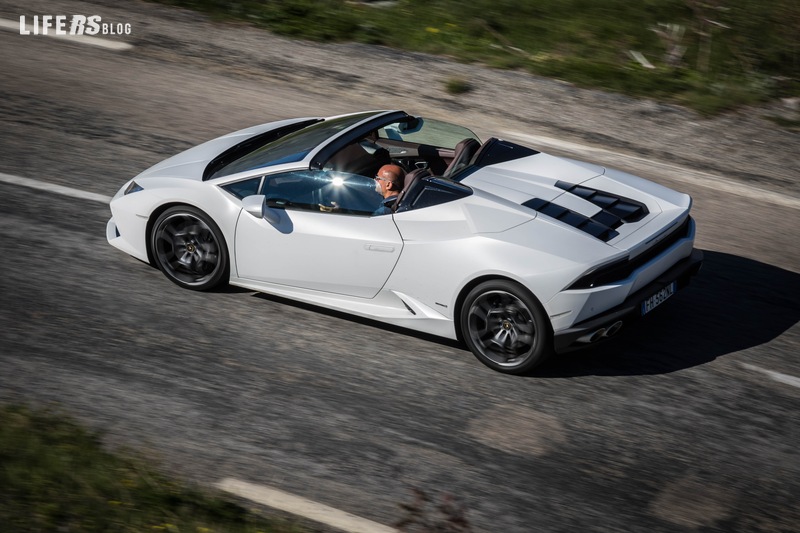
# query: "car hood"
(614, 207)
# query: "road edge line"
(53, 188)
(300, 506)
(786, 379)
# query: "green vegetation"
(711, 55)
(788, 124)
(54, 476)
(457, 86)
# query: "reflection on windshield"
(290, 148)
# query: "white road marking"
(786, 379)
(53, 188)
(302, 507)
(682, 174)
(108, 44)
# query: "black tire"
(505, 327)
(188, 247)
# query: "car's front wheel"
(189, 248)
(505, 327)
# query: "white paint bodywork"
(410, 268)
(352, 257)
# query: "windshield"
(427, 131)
(290, 148)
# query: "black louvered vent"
(594, 226)
(615, 211)
(612, 204)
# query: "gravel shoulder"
(743, 145)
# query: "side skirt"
(388, 306)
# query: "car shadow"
(734, 303)
(360, 320)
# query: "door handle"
(379, 248)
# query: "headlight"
(132, 187)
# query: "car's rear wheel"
(505, 327)
(189, 248)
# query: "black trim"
(430, 191)
(496, 151)
(253, 143)
(493, 152)
(630, 309)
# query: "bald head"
(392, 173)
(390, 178)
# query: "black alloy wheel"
(189, 248)
(505, 327)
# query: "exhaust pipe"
(596, 335)
(593, 337)
(613, 329)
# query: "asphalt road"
(686, 423)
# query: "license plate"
(659, 298)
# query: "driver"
(389, 183)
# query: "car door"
(322, 235)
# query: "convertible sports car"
(515, 252)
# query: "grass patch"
(789, 124)
(457, 86)
(55, 476)
(702, 52)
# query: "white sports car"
(515, 252)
